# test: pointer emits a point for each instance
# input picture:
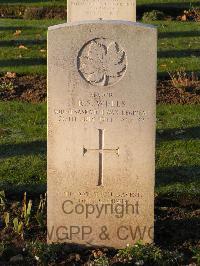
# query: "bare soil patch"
(28, 88)
(33, 88)
(169, 94)
(13, 11)
(170, 12)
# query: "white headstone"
(101, 133)
(79, 10)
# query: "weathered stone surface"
(79, 10)
(101, 132)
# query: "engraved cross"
(101, 150)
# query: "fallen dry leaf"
(23, 47)
(17, 33)
(10, 75)
(42, 50)
(184, 18)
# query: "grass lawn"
(178, 151)
(31, 58)
(23, 148)
(163, 4)
(148, 3)
(34, 2)
(178, 45)
(22, 145)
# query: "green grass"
(23, 148)
(178, 45)
(147, 3)
(22, 144)
(33, 36)
(163, 4)
(34, 2)
(178, 150)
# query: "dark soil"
(59, 12)
(14, 11)
(176, 228)
(167, 93)
(33, 88)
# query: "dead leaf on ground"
(10, 75)
(42, 50)
(23, 47)
(184, 18)
(17, 33)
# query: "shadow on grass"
(182, 175)
(23, 1)
(166, 7)
(178, 134)
(22, 149)
(14, 28)
(29, 148)
(24, 42)
(179, 34)
(23, 62)
(17, 191)
(179, 53)
(172, 230)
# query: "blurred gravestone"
(79, 10)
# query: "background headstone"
(101, 133)
(79, 10)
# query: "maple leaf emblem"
(102, 62)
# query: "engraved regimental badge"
(102, 62)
